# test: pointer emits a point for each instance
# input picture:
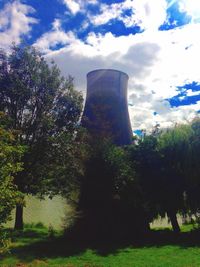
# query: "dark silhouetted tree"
(160, 159)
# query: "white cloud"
(146, 14)
(143, 13)
(54, 37)
(76, 6)
(191, 93)
(15, 22)
(73, 5)
(192, 8)
(107, 12)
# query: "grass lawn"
(36, 247)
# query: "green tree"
(128, 198)
(110, 199)
(192, 169)
(161, 159)
(10, 156)
(43, 108)
(146, 162)
(174, 146)
(96, 192)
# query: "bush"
(5, 242)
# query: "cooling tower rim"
(112, 70)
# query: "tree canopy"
(43, 109)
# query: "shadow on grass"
(56, 247)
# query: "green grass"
(36, 246)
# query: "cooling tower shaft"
(106, 110)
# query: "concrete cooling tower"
(106, 110)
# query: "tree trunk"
(174, 222)
(19, 218)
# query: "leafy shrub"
(5, 242)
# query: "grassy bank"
(38, 246)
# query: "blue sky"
(155, 42)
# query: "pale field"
(55, 212)
(50, 212)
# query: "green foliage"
(97, 185)
(124, 176)
(192, 170)
(174, 145)
(145, 161)
(43, 108)
(5, 242)
(110, 199)
(156, 179)
(167, 166)
(180, 149)
(65, 160)
(10, 156)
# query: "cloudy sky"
(156, 42)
